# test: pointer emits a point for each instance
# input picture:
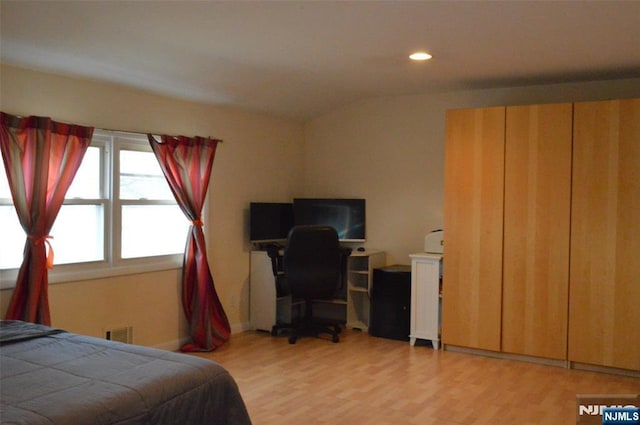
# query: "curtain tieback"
(197, 222)
(44, 239)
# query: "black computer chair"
(313, 269)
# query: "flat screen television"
(347, 216)
(269, 221)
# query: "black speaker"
(391, 302)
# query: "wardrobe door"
(604, 308)
(537, 206)
(474, 184)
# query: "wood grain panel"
(604, 319)
(536, 230)
(474, 182)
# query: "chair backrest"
(312, 262)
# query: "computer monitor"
(347, 216)
(269, 221)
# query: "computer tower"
(391, 302)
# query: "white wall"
(258, 161)
(388, 150)
(391, 152)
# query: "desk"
(266, 310)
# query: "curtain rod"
(144, 134)
(116, 131)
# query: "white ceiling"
(302, 58)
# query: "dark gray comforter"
(49, 376)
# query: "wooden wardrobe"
(541, 239)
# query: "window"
(119, 215)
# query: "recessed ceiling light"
(420, 56)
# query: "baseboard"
(507, 356)
(544, 361)
(241, 327)
(175, 344)
(172, 345)
(605, 369)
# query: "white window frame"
(111, 142)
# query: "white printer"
(434, 242)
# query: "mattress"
(49, 376)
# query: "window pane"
(78, 229)
(141, 177)
(77, 234)
(86, 183)
(12, 237)
(150, 230)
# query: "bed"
(49, 376)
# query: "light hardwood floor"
(368, 380)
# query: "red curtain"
(41, 158)
(186, 164)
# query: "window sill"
(91, 271)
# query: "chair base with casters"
(289, 310)
(312, 326)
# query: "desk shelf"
(359, 281)
(358, 289)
